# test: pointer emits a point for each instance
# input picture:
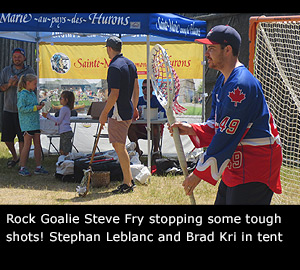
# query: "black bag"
(112, 166)
(163, 164)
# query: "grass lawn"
(80, 102)
(193, 110)
(16, 189)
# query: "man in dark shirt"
(139, 131)
(121, 106)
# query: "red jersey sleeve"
(204, 134)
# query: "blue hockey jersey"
(241, 136)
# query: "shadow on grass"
(91, 196)
(9, 178)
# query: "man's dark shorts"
(253, 193)
(11, 127)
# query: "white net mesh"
(160, 75)
(277, 67)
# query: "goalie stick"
(166, 85)
(84, 186)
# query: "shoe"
(12, 163)
(124, 188)
(40, 171)
(133, 184)
(24, 172)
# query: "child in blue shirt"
(29, 119)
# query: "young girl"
(67, 99)
(29, 119)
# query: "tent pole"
(38, 64)
(203, 84)
(148, 103)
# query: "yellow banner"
(90, 61)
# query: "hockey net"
(276, 64)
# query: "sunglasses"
(145, 87)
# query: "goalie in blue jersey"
(243, 144)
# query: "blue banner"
(38, 25)
(75, 22)
(175, 26)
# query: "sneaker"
(40, 171)
(24, 172)
(12, 163)
(133, 184)
(124, 188)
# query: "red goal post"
(253, 23)
(274, 59)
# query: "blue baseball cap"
(222, 34)
(19, 50)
